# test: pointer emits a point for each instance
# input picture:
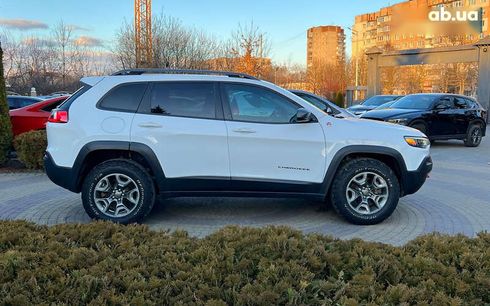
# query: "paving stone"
(456, 199)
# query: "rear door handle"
(150, 125)
(244, 131)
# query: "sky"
(284, 21)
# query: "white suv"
(123, 139)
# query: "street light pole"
(356, 84)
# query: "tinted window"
(471, 103)
(197, 100)
(255, 104)
(415, 102)
(126, 97)
(50, 107)
(23, 102)
(66, 105)
(446, 101)
(461, 103)
(378, 100)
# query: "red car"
(33, 117)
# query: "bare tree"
(63, 41)
(249, 48)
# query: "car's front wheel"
(474, 136)
(365, 191)
(118, 190)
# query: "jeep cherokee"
(123, 139)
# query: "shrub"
(5, 125)
(105, 263)
(30, 148)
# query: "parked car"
(60, 93)
(34, 116)
(439, 116)
(371, 103)
(12, 93)
(15, 102)
(322, 103)
(122, 139)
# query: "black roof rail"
(140, 71)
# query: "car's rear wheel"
(474, 136)
(118, 190)
(365, 191)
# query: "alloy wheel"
(367, 193)
(476, 135)
(116, 195)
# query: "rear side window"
(471, 103)
(66, 105)
(126, 97)
(461, 103)
(195, 100)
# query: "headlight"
(402, 121)
(418, 142)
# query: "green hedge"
(104, 263)
(30, 148)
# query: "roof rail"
(140, 71)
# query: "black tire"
(350, 170)
(473, 136)
(141, 180)
(419, 126)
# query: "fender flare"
(124, 146)
(362, 149)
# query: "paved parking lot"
(456, 199)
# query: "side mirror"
(303, 116)
(329, 111)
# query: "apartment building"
(325, 46)
(421, 24)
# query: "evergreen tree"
(5, 125)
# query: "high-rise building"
(325, 46)
(417, 24)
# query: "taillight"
(58, 116)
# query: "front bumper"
(61, 176)
(413, 180)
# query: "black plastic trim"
(415, 179)
(61, 176)
(362, 149)
(70, 178)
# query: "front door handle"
(150, 125)
(244, 131)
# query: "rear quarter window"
(125, 97)
(68, 102)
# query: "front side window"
(195, 100)
(447, 102)
(126, 97)
(254, 104)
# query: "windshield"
(415, 102)
(378, 100)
